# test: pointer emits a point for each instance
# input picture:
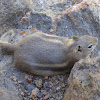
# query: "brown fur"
(44, 54)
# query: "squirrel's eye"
(90, 46)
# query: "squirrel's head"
(84, 46)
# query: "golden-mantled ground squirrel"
(44, 54)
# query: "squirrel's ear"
(75, 38)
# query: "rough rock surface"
(19, 18)
(84, 81)
(8, 91)
(11, 11)
(7, 94)
(76, 1)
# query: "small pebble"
(28, 14)
(26, 76)
(46, 97)
(22, 93)
(24, 19)
(45, 77)
(24, 98)
(44, 92)
(25, 92)
(13, 78)
(34, 92)
(15, 83)
(52, 99)
(39, 95)
(39, 83)
(58, 88)
(30, 27)
(19, 82)
(29, 80)
(52, 30)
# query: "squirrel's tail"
(7, 48)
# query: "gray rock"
(11, 11)
(76, 1)
(80, 19)
(7, 90)
(84, 81)
(6, 94)
(38, 21)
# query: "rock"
(26, 76)
(39, 83)
(22, 93)
(45, 77)
(24, 98)
(20, 82)
(25, 92)
(8, 91)
(34, 92)
(13, 78)
(58, 88)
(85, 14)
(39, 21)
(39, 95)
(29, 80)
(46, 97)
(76, 1)
(7, 94)
(42, 3)
(84, 81)
(11, 13)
